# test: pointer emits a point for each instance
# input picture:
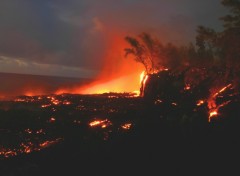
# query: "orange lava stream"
(212, 105)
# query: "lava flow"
(213, 106)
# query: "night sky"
(73, 38)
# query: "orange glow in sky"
(119, 74)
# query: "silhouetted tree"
(230, 37)
(152, 49)
(137, 50)
(206, 46)
(146, 50)
(219, 51)
(222, 48)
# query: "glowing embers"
(52, 120)
(222, 90)
(200, 102)
(20, 100)
(113, 96)
(187, 87)
(157, 101)
(100, 123)
(126, 126)
(213, 106)
(6, 153)
(45, 105)
(143, 79)
(27, 147)
(135, 93)
(49, 143)
(65, 102)
(29, 131)
(213, 113)
(125, 83)
(54, 100)
(142, 75)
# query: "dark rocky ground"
(163, 139)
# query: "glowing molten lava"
(126, 126)
(123, 84)
(143, 80)
(213, 106)
(142, 75)
(200, 102)
(213, 113)
(103, 123)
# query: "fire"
(45, 105)
(7, 153)
(118, 74)
(136, 93)
(95, 123)
(40, 131)
(158, 101)
(20, 100)
(213, 113)
(142, 75)
(52, 119)
(29, 131)
(49, 143)
(27, 147)
(143, 80)
(102, 123)
(222, 90)
(200, 102)
(187, 87)
(120, 85)
(65, 102)
(126, 126)
(212, 105)
(104, 126)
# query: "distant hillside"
(19, 84)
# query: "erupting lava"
(118, 75)
(143, 80)
(142, 75)
(119, 85)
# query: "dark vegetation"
(214, 54)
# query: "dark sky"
(73, 37)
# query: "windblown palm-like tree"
(145, 51)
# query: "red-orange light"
(126, 126)
(200, 102)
